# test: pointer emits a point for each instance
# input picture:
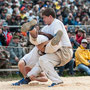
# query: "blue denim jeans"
(84, 68)
(69, 65)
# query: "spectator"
(14, 4)
(9, 9)
(13, 23)
(18, 19)
(31, 16)
(21, 37)
(8, 18)
(86, 20)
(6, 33)
(77, 21)
(23, 14)
(73, 13)
(2, 39)
(71, 37)
(4, 58)
(82, 57)
(24, 4)
(24, 20)
(69, 65)
(69, 20)
(81, 34)
(3, 15)
(88, 39)
(16, 51)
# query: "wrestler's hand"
(17, 59)
(41, 46)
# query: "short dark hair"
(48, 12)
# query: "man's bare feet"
(57, 38)
(26, 26)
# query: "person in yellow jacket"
(82, 57)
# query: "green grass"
(10, 76)
(76, 74)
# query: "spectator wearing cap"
(6, 33)
(82, 57)
(16, 51)
(31, 15)
(81, 34)
(19, 34)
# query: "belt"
(66, 47)
(41, 53)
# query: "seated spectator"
(18, 19)
(77, 21)
(82, 57)
(69, 20)
(2, 39)
(2, 15)
(69, 65)
(8, 18)
(16, 51)
(72, 38)
(13, 23)
(22, 14)
(4, 58)
(24, 20)
(22, 39)
(81, 34)
(18, 33)
(6, 33)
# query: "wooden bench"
(8, 70)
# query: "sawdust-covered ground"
(70, 83)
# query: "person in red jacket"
(7, 34)
(81, 34)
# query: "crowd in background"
(14, 13)
(70, 12)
